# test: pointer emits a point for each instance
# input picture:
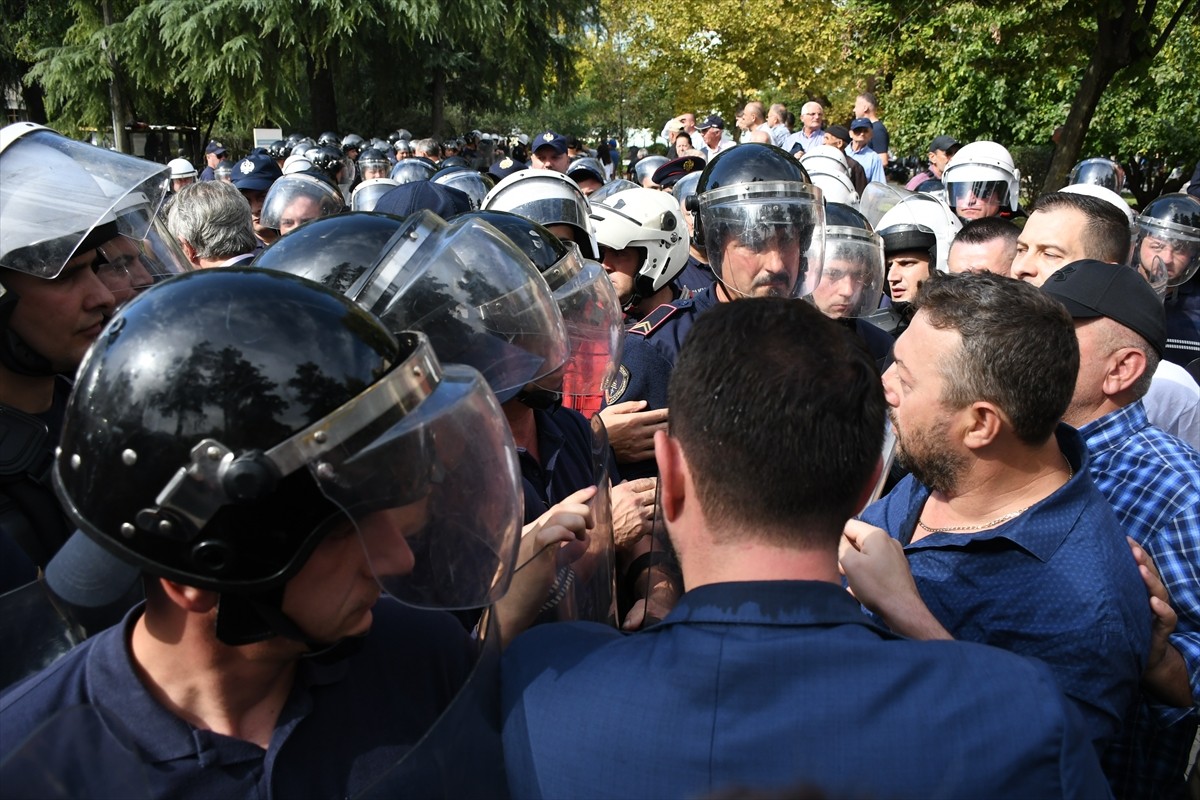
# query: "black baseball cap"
(945, 144)
(711, 121)
(1091, 289)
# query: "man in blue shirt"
(860, 150)
(1152, 481)
(998, 534)
(766, 675)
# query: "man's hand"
(633, 510)
(557, 537)
(877, 571)
(1165, 676)
(631, 430)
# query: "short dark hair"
(1018, 348)
(780, 414)
(985, 229)
(1107, 236)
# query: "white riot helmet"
(824, 158)
(181, 168)
(1100, 192)
(982, 170)
(651, 222)
(920, 222)
(546, 197)
(837, 188)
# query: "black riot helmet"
(226, 466)
(1167, 239)
(329, 139)
(454, 161)
(744, 164)
(352, 141)
(541, 246)
(329, 160)
(755, 203)
(278, 149)
(332, 251)
(1099, 172)
(853, 273)
(413, 169)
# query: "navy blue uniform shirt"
(777, 684)
(1056, 583)
(342, 726)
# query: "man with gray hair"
(427, 148)
(812, 128)
(213, 224)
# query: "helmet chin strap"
(246, 619)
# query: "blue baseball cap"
(550, 139)
(256, 171)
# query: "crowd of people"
(499, 467)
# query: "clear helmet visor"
(852, 277)
(595, 324)
(1167, 254)
(611, 188)
(431, 489)
(409, 170)
(474, 294)
(879, 198)
(765, 239)
(987, 197)
(54, 191)
(131, 262)
(296, 199)
(367, 195)
(1098, 172)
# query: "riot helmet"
(649, 222)
(465, 179)
(313, 422)
(549, 198)
(278, 149)
(367, 194)
(644, 169)
(760, 221)
(329, 160)
(685, 187)
(333, 251)
(223, 171)
(61, 200)
(920, 222)
(474, 294)
(1099, 172)
(373, 164)
(408, 170)
(329, 139)
(181, 169)
(1168, 236)
(453, 161)
(980, 180)
(614, 186)
(852, 278)
(352, 141)
(297, 198)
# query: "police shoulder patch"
(616, 386)
(652, 321)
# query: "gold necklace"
(993, 523)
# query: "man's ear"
(983, 421)
(672, 484)
(1125, 366)
(189, 598)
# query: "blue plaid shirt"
(1057, 583)
(1152, 482)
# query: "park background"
(1122, 77)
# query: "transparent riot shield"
(585, 588)
(35, 632)
(460, 756)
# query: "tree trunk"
(1096, 77)
(35, 103)
(115, 98)
(322, 98)
(437, 102)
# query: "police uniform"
(1183, 322)
(695, 276)
(343, 725)
(565, 466)
(651, 347)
